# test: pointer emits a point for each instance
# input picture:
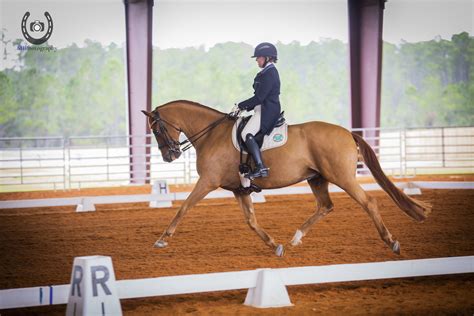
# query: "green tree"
(81, 90)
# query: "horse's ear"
(147, 113)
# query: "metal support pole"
(139, 17)
(365, 48)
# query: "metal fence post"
(400, 152)
(443, 147)
(21, 161)
(68, 146)
(107, 157)
(403, 153)
(187, 168)
(64, 162)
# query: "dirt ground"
(39, 250)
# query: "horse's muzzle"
(170, 156)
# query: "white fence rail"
(223, 281)
(87, 203)
(78, 162)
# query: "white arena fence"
(94, 289)
(161, 198)
(79, 162)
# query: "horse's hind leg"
(245, 203)
(370, 206)
(319, 186)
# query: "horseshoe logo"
(36, 26)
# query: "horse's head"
(167, 140)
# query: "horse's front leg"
(246, 205)
(199, 192)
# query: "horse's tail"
(416, 209)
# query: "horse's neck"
(192, 119)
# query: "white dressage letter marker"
(411, 189)
(85, 206)
(93, 290)
(160, 187)
(258, 197)
(269, 292)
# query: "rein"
(173, 145)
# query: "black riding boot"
(254, 150)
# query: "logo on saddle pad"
(278, 137)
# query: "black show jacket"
(266, 87)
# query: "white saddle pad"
(277, 138)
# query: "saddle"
(277, 137)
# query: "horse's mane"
(190, 103)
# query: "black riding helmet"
(265, 50)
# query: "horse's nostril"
(170, 158)
(166, 158)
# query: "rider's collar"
(267, 66)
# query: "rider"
(265, 103)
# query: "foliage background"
(78, 91)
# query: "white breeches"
(253, 126)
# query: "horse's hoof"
(280, 251)
(297, 238)
(160, 244)
(396, 247)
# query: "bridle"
(173, 145)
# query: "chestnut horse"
(317, 152)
